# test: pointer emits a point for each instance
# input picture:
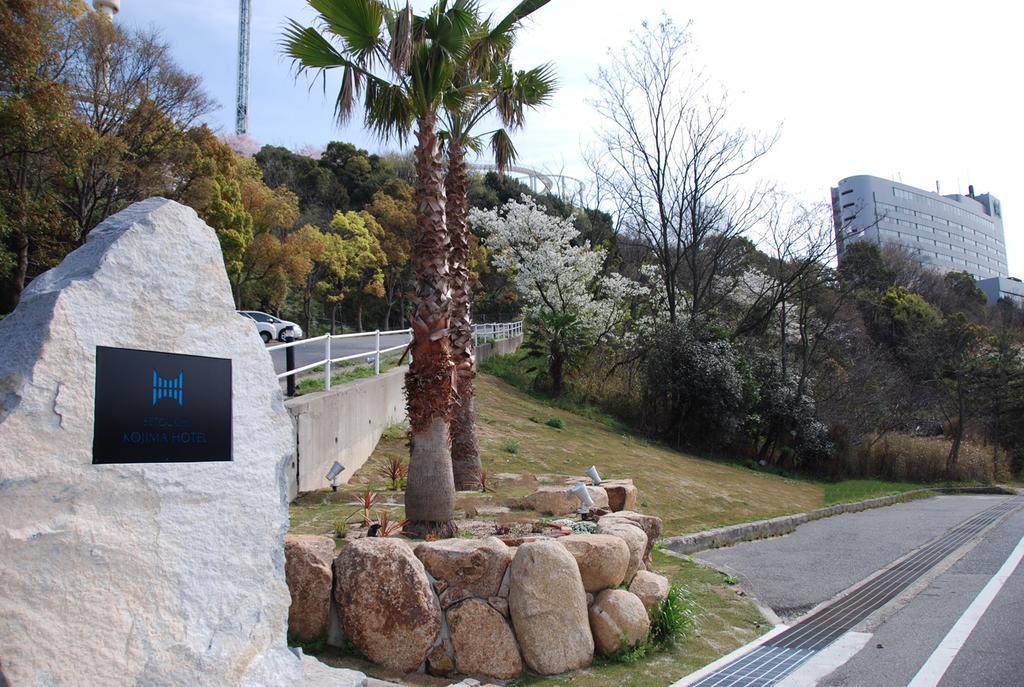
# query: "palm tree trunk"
(465, 447)
(429, 384)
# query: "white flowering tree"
(570, 302)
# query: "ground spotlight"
(581, 493)
(332, 475)
(592, 473)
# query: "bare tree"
(798, 241)
(675, 166)
(137, 104)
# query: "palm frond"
(346, 96)
(518, 13)
(389, 112)
(309, 49)
(400, 51)
(357, 22)
(525, 89)
(474, 144)
(504, 151)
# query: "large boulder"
(307, 568)
(553, 500)
(385, 603)
(473, 565)
(651, 588)
(548, 606)
(163, 573)
(634, 538)
(618, 619)
(650, 524)
(483, 641)
(602, 558)
(622, 494)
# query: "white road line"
(827, 661)
(940, 660)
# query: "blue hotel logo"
(169, 388)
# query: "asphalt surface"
(308, 353)
(794, 573)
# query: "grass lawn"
(688, 493)
(852, 490)
(723, 621)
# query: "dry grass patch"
(688, 493)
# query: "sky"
(913, 90)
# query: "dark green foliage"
(321, 194)
(693, 387)
(864, 267)
(359, 173)
(556, 422)
(783, 421)
(672, 618)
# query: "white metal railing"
(481, 332)
(496, 331)
(327, 361)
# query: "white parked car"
(271, 327)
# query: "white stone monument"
(140, 574)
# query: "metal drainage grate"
(773, 660)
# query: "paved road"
(794, 573)
(308, 353)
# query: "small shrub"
(556, 422)
(671, 618)
(340, 529)
(584, 527)
(387, 526)
(629, 655)
(534, 418)
(395, 471)
(512, 446)
(369, 498)
(730, 580)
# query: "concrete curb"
(761, 529)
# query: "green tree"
(138, 105)
(395, 210)
(402, 66)
(40, 140)
(363, 257)
(864, 267)
(229, 194)
(320, 193)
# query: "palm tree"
(486, 85)
(401, 65)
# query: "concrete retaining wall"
(344, 425)
(492, 348)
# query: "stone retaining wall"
(481, 607)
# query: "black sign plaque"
(161, 408)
